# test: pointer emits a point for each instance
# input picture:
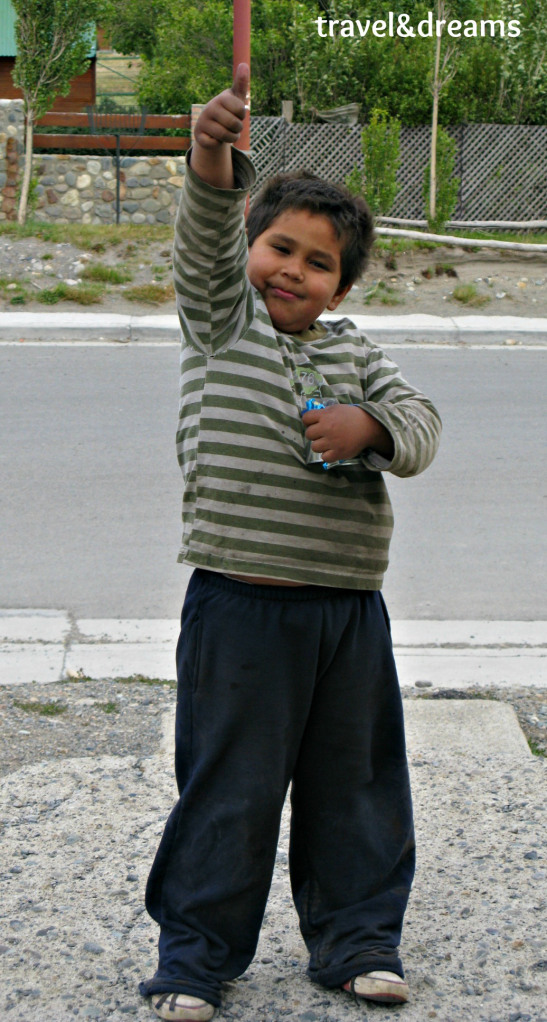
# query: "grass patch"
(106, 274)
(142, 679)
(99, 237)
(51, 709)
(467, 294)
(401, 246)
(150, 294)
(537, 750)
(80, 293)
(445, 269)
(109, 707)
(95, 237)
(13, 291)
(383, 293)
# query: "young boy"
(285, 666)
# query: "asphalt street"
(90, 500)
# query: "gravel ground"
(418, 281)
(83, 802)
(109, 718)
(80, 719)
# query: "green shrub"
(447, 185)
(377, 182)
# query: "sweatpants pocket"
(189, 651)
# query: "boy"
(284, 663)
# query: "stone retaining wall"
(82, 188)
(12, 131)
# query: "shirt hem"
(335, 579)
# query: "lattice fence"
(503, 168)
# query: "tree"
(381, 161)
(523, 78)
(192, 57)
(444, 69)
(186, 47)
(132, 26)
(53, 42)
(446, 184)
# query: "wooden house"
(83, 88)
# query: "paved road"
(90, 497)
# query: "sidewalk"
(158, 328)
(47, 645)
(78, 836)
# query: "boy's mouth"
(280, 292)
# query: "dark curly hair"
(348, 214)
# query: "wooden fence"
(114, 131)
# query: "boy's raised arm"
(218, 126)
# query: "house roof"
(8, 45)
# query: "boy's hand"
(221, 120)
(219, 124)
(344, 431)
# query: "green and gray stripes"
(252, 504)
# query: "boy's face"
(295, 264)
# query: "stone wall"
(11, 149)
(82, 188)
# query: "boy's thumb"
(241, 82)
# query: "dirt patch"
(442, 281)
(452, 282)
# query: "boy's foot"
(182, 1008)
(386, 987)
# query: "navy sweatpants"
(279, 684)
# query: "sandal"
(386, 987)
(182, 1008)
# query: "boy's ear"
(338, 297)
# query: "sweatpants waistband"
(281, 594)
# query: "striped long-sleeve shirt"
(253, 503)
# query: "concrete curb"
(124, 329)
(47, 646)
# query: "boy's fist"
(221, 120)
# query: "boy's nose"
(293, 268)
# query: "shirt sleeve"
(215, 301)
(410, 418)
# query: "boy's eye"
(282, 248)
(322, 266)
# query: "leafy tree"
(187, 51)
(381, 161)
(523, 79)
(132, 26)
(446, 184)
(192, 56)
(53, 42)
(444, 69)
